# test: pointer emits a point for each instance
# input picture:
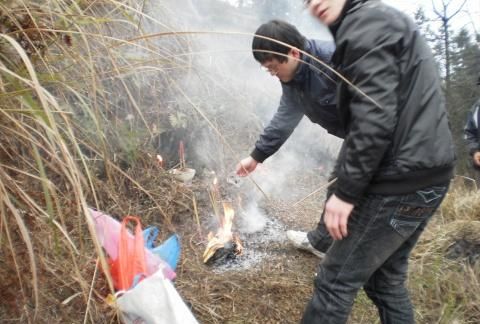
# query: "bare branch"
(456, 12)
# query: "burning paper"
(224, 244)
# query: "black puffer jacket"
(398, 141)
(310, 93)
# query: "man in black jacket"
(472, 136)
(308, 88)
(395, 164)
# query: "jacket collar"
(350, 6)
(302, 70)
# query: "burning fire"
(224, 235)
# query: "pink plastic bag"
(108, 233)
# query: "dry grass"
(53, 125)
(446, 284)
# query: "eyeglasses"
(272, 69)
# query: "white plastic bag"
(154, 301)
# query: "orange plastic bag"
(129, 267)
(108, 233)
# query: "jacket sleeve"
(279, 130)
(371, 66)
(471, 130)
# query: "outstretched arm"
(279, 129)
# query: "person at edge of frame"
(472, 137)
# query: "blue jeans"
(382, 231)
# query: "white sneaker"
(300, 241)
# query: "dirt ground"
(273, 290)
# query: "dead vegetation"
(82, 119)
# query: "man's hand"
(246, 166)
(336, 216)
(476, 159)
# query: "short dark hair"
(280, 31)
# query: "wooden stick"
(195, 212)
(181, 154)
(314, 192)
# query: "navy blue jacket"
(310, 93)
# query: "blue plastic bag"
(168, 251)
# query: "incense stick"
(314, 192)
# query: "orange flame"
(224, 234)
(227, 221)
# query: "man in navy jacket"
(308, 89)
